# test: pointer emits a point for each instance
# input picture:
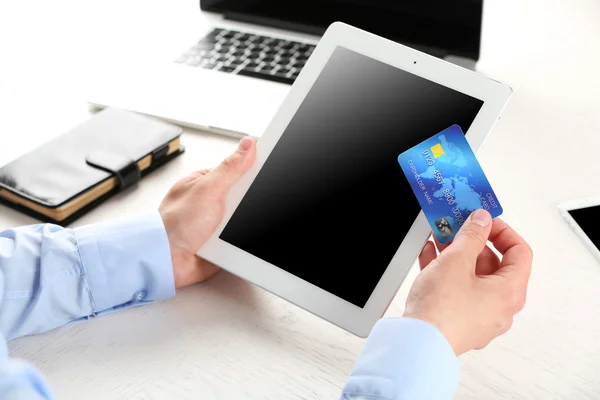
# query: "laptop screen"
(438, 27)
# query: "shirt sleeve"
(404, 359)
(50, 276)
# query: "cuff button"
(139, 295)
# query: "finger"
(472, 237)
(439, 245)
(516, 265)
(234, 166)
(206, 268)
(503, 237)
(428, 254)
(487, 262)
(517, 257)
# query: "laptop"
(232, 78)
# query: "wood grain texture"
(226, 339)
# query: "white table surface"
(227, 339)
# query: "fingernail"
(481, 218)
(245, 144)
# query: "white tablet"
(582, 216)
(325, 217)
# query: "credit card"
(448, 181)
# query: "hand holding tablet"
(325, 217)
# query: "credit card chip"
(437, 150)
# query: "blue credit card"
(448, 181)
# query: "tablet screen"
(331, 204)
(587, 219)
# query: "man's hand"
(466, 291)
(193, 209)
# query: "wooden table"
(227, 339)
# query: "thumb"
(472, 237)
(234, 166)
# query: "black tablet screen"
(587, 219)
(331, 204)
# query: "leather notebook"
(66, 177)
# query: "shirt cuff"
(404, 358)
(126, 262)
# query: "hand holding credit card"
(448, 181)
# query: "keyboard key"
(192, 51)
(268, 59)
(238, 53)
(304, 47)
(251, 64)
(226, 68)
(287, 45)
(271, 69)
(298, 64)
(283, 61)
(236, 62)
(209, 39)
(280, 75)
(204, 45)
(208, 65)
(265, 68)
(181, 58)
(228, 34)
(222, 58)
(194, 61)
(263, 75)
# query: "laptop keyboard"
(247, 54)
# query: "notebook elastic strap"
(125, 169)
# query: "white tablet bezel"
(585, 202)
(302, 293)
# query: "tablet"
(582, 216)
(325, 218)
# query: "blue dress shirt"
(50, 276)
